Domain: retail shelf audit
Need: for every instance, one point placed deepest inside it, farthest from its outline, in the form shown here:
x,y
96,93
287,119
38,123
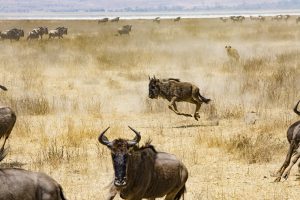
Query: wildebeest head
x,y
120,149
153,88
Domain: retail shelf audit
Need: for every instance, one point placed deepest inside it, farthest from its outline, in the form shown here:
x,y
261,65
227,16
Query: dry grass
x,y
66,91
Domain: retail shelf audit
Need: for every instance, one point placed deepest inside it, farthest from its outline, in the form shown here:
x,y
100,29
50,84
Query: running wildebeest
x,y
33,35
237,18
156,19
277,18
176,91
142,172
115,19
7,121
261,18
286,17
12,34
58,32
125,30
258,18
177,19
37,33
103,20
20,184
293,137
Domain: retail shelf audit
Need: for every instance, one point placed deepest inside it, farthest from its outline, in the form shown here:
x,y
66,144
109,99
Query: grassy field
x,y
65,92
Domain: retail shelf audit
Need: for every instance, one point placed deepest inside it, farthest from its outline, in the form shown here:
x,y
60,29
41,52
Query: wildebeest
x,y
156,19
177,19
293,137
142,172
176,91
20,184
223,19
12,34
33,35
36,33
237,18
298,19
232,53
277,18
7,121
125,29
116,19
258,18
261,18
286,17
103,20
58,32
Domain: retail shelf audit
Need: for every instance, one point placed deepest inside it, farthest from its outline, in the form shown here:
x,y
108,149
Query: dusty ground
x,y
66,91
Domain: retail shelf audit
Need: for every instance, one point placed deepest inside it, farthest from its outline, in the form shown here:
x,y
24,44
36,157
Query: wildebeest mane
x,y
171,79
147,145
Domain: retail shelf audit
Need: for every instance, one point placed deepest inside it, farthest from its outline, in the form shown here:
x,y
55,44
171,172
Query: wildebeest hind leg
x,y
196,114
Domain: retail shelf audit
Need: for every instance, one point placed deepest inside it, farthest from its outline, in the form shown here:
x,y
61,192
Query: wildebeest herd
x,y
259,18
36,33
139,171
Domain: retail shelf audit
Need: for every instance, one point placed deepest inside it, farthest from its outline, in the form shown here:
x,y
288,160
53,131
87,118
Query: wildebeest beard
x,y
120,167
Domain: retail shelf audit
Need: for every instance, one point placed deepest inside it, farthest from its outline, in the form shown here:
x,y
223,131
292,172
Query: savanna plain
x,y
66,91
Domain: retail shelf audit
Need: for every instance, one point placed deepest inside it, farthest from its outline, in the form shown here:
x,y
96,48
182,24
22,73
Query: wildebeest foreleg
x,y
286,162
173,107
293,161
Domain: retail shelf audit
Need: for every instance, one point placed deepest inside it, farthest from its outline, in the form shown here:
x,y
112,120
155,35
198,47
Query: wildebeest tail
x,y
3,88
296,108
205,100
180,193
61,193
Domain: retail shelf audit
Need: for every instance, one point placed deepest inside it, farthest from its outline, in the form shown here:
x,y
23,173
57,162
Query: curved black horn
x,y
136,139
296,107
103,139
3,88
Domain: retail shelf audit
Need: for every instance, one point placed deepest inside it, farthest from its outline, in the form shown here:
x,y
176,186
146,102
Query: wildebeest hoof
x,y
277,179
285,176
